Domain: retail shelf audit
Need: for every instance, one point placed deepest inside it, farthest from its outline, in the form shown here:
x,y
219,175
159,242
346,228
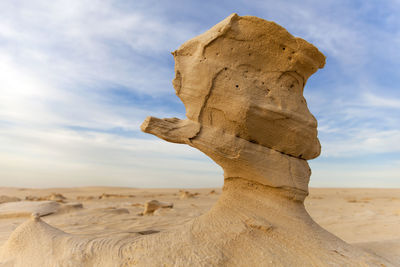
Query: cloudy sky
x,y
77,78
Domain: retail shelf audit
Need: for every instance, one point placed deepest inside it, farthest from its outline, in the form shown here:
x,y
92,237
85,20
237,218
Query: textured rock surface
x,y
151,206
246,76
242,85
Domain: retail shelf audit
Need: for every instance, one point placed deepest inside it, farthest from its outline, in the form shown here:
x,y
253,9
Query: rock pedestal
x,y
242,85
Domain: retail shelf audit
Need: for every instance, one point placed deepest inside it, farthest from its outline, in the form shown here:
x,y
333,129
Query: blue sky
x,y
78,77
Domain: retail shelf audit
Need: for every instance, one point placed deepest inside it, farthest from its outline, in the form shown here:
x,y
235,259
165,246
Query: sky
x,y
78,77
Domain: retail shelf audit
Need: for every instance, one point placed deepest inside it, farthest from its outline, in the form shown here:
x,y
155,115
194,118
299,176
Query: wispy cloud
x,y
373,100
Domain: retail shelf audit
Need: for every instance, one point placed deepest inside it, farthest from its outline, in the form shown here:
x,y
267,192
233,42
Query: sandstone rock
x,y
151,206
52,197
246,77
242,85
107,196
84,198
212,192
183,194
56,197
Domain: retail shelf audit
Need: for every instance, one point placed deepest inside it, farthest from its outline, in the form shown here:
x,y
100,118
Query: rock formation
x,y
242,86
151,206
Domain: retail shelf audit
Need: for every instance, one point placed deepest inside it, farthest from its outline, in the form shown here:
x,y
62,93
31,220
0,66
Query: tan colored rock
x,y
183,194
56,197
52,197
85,198
246,76
107,196
242,85
243,93
151,206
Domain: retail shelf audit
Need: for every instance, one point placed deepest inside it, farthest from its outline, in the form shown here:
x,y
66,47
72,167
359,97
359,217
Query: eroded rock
x,y
52,197
151,206
183,194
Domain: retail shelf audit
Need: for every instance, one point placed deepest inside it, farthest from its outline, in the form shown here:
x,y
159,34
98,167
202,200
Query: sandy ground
x,y
367,218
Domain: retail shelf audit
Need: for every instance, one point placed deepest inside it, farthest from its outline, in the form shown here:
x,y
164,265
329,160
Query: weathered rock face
x,y
151,206
242,85
246,76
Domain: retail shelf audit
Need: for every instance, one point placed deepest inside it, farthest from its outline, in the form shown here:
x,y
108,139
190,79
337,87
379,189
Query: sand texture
x,y
366,218
242,85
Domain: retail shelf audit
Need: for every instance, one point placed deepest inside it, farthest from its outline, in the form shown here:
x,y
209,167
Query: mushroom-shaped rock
x,y
242,85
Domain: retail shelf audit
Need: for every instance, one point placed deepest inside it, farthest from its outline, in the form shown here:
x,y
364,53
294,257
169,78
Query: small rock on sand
x,y
86,198
153,205
105,196
53,197
186,194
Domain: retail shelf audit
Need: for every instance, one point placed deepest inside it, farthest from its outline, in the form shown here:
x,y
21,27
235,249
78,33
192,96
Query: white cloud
x,y
50,158
382,102
89,43
57,60
363,142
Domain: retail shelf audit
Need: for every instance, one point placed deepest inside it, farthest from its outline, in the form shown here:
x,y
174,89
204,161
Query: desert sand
x,y
366,218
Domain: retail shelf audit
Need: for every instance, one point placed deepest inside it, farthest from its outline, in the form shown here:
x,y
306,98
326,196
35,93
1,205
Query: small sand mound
x,y
27,208
70,207
117,211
